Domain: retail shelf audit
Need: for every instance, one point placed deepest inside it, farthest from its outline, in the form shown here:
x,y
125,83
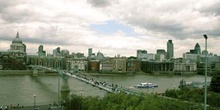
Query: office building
x,y
197,49
161,55
56,52
89,52
170,52
141,54
119,64
64,53
100,56
41,51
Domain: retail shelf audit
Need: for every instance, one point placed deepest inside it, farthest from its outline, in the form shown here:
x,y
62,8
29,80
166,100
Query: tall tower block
x,y
170,52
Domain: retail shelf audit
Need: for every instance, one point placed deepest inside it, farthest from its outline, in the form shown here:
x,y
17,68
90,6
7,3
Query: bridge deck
x,y
112,88
92,82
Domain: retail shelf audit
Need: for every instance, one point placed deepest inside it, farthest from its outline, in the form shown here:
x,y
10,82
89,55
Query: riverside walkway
x,y
108,87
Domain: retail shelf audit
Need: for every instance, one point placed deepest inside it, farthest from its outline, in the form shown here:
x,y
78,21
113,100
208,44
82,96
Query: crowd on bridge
x,y
109,87
100,84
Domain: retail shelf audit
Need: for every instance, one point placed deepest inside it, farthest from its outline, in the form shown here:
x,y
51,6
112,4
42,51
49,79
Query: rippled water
x,y
20,89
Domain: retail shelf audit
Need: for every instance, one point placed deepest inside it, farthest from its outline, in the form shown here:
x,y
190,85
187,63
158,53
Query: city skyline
x,y
17,45
109,27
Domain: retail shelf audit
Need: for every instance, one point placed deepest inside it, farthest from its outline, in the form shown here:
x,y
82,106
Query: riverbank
x,y
49,73
16,72
137,73
24,72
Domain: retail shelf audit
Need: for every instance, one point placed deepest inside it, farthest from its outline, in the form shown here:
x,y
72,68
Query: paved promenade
x,y
39,107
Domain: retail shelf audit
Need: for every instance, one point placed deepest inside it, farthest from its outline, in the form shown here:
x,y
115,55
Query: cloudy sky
x,y
111,26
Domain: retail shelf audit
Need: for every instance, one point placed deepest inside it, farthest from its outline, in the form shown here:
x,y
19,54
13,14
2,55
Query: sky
x,y
111,26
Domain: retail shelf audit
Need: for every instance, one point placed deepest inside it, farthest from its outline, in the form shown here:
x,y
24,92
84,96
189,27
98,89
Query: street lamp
x,y
81,100
34,100
205,96
81,94
58,93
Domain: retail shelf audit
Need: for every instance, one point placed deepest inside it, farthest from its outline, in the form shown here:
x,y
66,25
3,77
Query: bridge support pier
x,y
35,72
65,90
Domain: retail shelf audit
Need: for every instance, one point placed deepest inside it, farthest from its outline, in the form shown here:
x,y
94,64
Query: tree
x,y
215,83
74,103
124,101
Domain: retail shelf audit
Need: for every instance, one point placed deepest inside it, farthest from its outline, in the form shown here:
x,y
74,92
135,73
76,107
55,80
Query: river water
x,y
19,89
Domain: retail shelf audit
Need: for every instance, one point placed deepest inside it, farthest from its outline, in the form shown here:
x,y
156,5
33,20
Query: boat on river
x,y
146,85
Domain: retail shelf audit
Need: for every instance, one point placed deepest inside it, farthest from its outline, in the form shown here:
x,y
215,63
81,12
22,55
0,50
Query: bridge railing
x,y
113,88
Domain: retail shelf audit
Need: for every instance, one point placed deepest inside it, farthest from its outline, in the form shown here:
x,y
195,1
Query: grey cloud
x,y
7,3
23,11
165,27
11,16
171,22
39,39
170,27
214,33
10,12
6,37
52,40
45,35
44,41
99,3
212,9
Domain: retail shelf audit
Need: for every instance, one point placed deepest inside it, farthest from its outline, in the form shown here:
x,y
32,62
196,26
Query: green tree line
x,y
124,101
195,95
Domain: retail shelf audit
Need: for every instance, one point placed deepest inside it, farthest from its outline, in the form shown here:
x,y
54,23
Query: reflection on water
x,y
20,89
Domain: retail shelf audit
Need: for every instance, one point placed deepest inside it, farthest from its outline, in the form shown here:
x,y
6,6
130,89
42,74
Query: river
x,y
20,89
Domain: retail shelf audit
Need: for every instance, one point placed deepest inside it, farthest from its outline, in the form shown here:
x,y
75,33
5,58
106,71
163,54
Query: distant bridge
x,y
64,74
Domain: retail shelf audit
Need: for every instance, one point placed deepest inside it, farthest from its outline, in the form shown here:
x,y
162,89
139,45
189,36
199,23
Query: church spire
x,y
17,36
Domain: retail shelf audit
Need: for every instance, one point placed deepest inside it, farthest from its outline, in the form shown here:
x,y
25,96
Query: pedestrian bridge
x,y
64,74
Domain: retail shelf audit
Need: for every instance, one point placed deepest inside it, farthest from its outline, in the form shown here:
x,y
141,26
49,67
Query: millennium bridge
x,y
64,74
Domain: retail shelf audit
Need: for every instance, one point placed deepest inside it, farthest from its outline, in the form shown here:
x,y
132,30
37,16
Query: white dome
x,y
17,39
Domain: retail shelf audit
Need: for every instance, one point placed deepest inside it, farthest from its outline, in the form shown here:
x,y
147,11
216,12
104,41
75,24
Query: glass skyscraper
x,y
169,49
197,49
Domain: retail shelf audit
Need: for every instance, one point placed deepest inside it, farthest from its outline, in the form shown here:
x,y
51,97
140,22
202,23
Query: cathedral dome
x,y
17,39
